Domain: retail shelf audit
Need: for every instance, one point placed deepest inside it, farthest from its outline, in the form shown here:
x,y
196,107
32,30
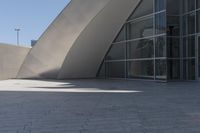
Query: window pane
x,y
160,44
188,5
173,26
144,8
116,52
141,49
172,8
198,21
160,23
173,69
189,24
102,70
141,69
189,46
198,4
189,69
121,36
160,5
140,29
115,69
173,47
161,69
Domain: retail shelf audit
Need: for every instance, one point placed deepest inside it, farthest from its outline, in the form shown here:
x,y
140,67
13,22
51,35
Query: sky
x,y
31,16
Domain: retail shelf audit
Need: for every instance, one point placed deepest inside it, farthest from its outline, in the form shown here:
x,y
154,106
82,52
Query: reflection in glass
x,y
102,70
172,7
115,69
160,44
161,69
121,36
143,48
189,69
117,52
173,47
160,5
160,23
189,46
173,67
144,8
140,29
189,24
143,69
198,21
173,25
188,5
198,4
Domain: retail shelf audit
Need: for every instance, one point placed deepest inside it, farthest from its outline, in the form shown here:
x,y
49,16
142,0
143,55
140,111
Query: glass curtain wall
x,y
159,41
190,25
139,51
173,39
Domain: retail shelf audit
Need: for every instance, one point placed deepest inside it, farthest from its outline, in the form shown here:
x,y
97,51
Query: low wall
x,y
11,59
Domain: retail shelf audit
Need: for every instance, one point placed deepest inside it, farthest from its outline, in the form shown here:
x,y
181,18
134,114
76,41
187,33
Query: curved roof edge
x,y
87,53
47,56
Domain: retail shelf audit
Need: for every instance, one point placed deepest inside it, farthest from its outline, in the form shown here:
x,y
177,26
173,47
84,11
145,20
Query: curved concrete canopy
x,y
87,53
47,56
75,44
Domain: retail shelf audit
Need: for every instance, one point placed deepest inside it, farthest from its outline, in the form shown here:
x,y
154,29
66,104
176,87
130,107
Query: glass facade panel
x,y
198,4
160,5
161,69
173,25
144,8
143,69
140,29
198,21
157,44
160,46
102,71
143,48
173,47
117,52
115,69
121,36
189,24
189,69
189,46
160,23
172,7
173,69
188,5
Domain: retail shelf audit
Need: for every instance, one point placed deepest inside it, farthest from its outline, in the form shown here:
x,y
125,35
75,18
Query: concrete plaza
x,y
99,106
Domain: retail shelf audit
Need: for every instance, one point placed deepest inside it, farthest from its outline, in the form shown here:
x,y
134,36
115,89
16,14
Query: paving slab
x,y
99,106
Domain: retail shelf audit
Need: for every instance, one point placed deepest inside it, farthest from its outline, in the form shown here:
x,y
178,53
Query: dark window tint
x,y
115,69
140,29
141,69
116,52
145,7
160,44
143,48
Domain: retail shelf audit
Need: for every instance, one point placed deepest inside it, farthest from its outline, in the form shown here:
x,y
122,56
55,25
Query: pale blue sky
x,y
31,16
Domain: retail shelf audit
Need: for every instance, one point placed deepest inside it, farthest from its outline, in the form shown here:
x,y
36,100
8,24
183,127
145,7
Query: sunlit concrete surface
x,y
99,106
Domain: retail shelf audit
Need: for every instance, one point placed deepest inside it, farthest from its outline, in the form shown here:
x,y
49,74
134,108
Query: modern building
x,y
159,41
119,39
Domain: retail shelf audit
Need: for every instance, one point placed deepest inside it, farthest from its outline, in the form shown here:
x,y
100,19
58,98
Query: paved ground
x,y
98,106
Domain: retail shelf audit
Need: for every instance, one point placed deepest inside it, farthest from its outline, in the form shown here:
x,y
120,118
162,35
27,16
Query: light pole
x,y
17,30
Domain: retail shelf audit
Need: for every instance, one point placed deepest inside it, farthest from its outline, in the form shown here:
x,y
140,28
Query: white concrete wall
x,y
11,59
47,56
75,44
87,53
